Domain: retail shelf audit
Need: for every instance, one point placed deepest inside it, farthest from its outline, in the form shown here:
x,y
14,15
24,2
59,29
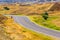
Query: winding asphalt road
x,y
23,20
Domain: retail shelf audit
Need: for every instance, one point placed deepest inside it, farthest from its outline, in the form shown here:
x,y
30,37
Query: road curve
x,y
23,20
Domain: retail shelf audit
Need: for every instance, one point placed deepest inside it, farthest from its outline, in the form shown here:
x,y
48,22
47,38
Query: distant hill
x,y
55,7
27,9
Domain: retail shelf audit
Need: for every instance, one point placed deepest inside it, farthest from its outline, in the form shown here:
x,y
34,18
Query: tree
x,y
6,8
45,15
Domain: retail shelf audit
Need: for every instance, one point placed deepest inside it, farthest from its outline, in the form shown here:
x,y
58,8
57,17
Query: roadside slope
x,y
10,30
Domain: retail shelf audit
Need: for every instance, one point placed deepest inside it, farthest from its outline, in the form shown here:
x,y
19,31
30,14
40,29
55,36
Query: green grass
x,y
46,23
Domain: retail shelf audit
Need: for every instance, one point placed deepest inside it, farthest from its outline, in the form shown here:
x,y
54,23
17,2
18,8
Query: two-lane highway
x,y
23,20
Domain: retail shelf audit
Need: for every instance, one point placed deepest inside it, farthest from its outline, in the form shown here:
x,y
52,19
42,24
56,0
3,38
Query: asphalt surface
x,y
24,21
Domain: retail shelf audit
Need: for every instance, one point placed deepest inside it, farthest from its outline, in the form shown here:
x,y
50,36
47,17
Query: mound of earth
x,y
55,7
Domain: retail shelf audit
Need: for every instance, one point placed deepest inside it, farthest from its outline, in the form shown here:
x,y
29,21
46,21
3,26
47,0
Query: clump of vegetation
x,y
24,31
6,8
45,15
2,19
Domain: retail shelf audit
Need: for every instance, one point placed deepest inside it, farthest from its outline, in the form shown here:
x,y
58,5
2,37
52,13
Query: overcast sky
x,y
22,0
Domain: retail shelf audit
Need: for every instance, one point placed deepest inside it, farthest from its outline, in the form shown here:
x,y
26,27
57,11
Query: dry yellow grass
x,y
26,10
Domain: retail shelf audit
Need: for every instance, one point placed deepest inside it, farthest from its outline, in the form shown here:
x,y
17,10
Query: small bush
x,y
6,8
45,15
24,31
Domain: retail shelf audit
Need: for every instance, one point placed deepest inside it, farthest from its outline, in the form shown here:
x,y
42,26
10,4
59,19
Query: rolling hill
x,y
29,9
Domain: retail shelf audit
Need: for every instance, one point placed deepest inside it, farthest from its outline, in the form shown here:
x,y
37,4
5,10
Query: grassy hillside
x,y
52,22
53,17
33,9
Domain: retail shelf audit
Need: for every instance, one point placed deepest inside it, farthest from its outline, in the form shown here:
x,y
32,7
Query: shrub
x,y
45,15
6,8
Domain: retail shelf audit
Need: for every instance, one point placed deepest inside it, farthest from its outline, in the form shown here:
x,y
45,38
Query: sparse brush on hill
x,y
2,19
6,8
